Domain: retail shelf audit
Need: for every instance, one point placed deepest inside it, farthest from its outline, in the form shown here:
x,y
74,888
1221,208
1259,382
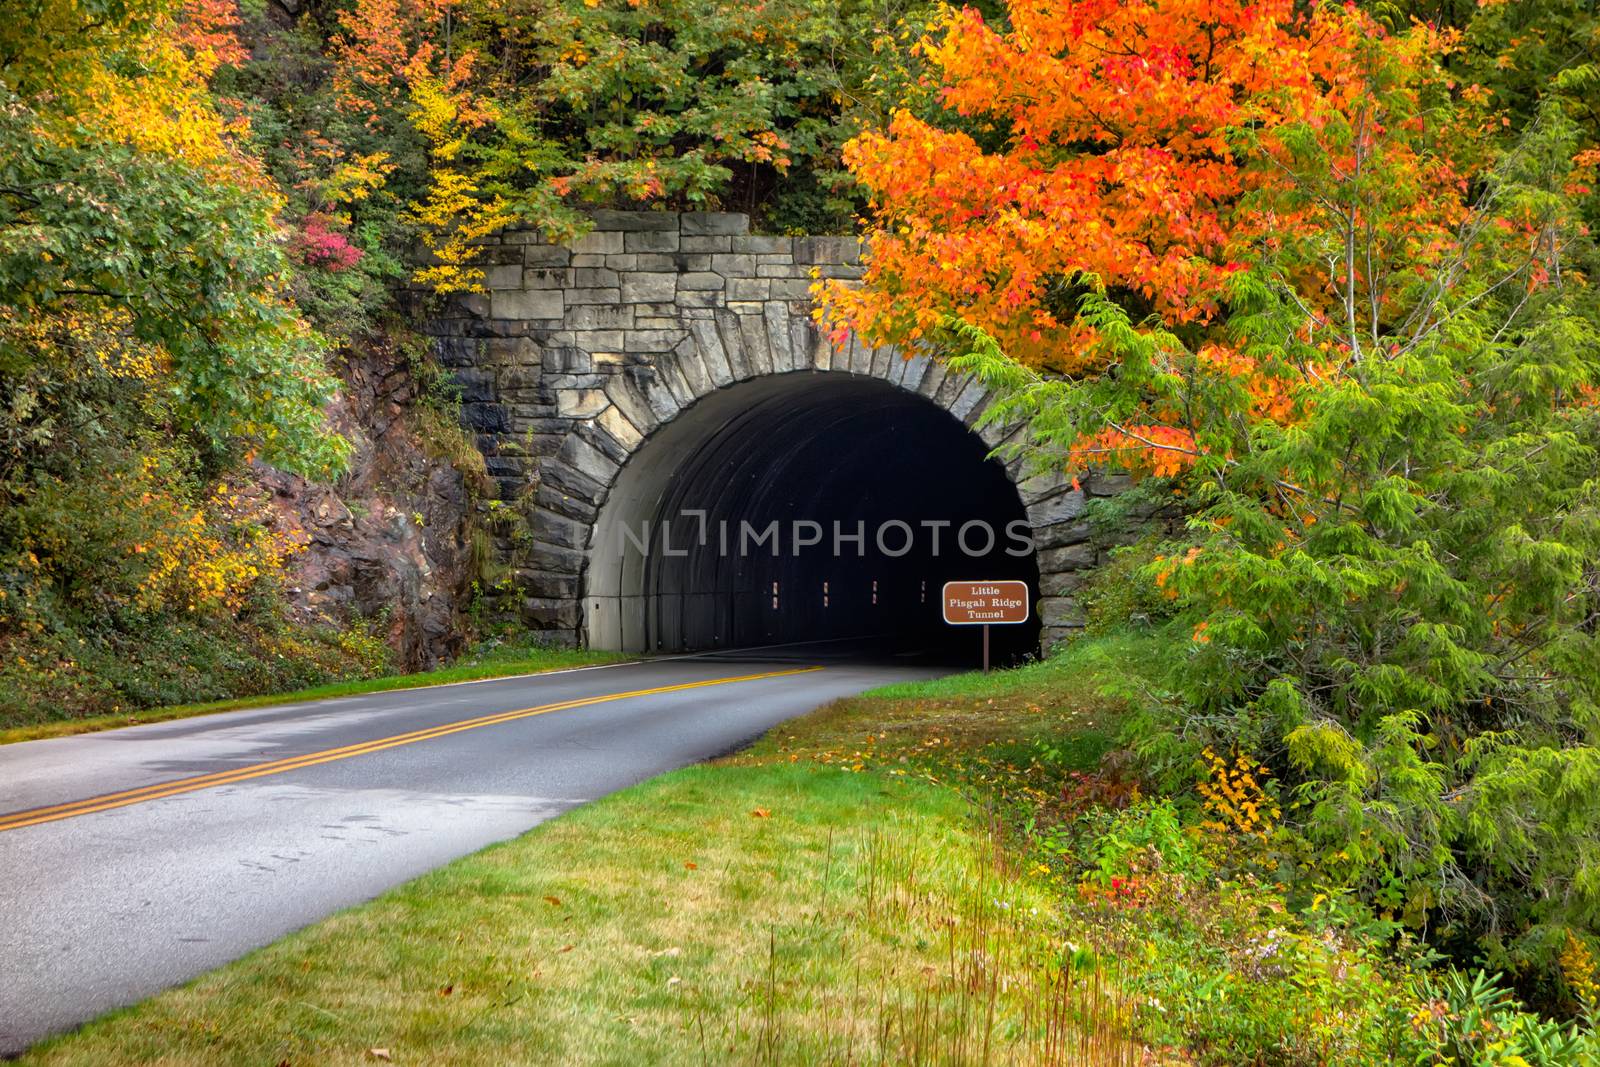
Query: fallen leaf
x,y
380,1054
761,813
553,900
692,866
568,948
445,991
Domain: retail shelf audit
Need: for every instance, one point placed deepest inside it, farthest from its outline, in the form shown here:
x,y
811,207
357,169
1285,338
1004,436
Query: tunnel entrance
x,y
805,507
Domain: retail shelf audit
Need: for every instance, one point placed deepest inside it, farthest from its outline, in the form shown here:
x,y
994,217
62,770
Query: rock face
x,y
577,355
389,542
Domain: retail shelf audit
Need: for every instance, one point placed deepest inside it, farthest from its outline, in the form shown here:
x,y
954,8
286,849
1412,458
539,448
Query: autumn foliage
x,y
1280,262
1132,148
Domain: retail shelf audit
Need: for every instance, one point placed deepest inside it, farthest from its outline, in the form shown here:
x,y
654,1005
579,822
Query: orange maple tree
x,y
1138,148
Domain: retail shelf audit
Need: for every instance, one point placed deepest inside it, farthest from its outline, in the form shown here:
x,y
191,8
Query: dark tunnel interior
x,y
826,508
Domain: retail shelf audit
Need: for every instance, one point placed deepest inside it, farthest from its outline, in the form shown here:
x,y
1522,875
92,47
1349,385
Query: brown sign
x,y
985,603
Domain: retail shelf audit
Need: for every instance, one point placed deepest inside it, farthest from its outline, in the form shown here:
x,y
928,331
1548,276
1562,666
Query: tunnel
x,y
806,507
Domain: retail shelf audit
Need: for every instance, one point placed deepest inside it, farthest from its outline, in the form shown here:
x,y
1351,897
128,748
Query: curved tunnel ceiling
x,y
803,507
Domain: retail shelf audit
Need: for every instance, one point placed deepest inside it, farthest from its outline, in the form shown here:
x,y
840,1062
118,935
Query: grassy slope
x,y
772,907
503,661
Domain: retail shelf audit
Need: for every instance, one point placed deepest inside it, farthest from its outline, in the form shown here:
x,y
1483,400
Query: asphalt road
x,y
135,859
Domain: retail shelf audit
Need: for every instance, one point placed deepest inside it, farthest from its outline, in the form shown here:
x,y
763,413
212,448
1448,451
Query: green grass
x,y
493,663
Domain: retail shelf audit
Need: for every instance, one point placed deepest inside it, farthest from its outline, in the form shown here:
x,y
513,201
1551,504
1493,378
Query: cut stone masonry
x,y
576,354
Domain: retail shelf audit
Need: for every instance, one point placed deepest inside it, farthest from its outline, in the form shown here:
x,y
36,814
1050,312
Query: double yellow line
x,y
35,816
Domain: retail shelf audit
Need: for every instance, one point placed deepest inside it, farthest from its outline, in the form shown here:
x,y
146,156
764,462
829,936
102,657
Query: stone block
x,y
635,220
790,288
749,288
599,340
774,267
581,403
509,351
1068,558
548,278
555,529
595,278
1060,611
545,613
597,242
601,317
690,301
525,304
587,460
711,351
1061,535
474,304
485,418
801,341
631,403
733,344
734,265
657,394
565,359
776,316
547,585
620,428
705,223
588,430
691,364
752,331
1062,583
642,288
546,257
700,280
684,262
705,244
651,340
1063,507
882,360
964,406
594,296
1102,483
506,276
475,384
650,241
765,246
549,496
520,381
827,250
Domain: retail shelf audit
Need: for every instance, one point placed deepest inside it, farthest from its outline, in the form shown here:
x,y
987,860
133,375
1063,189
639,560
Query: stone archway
x,y
577,357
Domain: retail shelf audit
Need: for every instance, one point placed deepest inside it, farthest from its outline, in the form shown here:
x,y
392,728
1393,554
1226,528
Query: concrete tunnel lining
x,y
829,448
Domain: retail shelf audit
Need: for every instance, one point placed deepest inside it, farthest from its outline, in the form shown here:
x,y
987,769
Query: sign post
x,y
985,604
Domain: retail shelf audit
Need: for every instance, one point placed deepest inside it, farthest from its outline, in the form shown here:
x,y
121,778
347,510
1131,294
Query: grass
x,y
805,901
495,662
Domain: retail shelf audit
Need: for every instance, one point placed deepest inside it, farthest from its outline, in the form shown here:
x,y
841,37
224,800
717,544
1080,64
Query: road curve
x,y
135,859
